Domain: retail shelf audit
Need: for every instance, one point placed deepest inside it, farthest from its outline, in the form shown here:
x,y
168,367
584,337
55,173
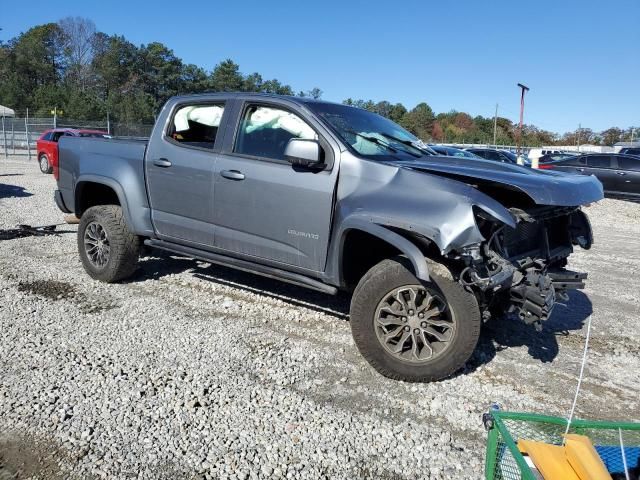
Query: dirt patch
x,y
23,457
57,290
51,289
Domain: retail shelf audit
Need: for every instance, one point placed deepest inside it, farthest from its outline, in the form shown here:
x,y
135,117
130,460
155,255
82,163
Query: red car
x,y
47,146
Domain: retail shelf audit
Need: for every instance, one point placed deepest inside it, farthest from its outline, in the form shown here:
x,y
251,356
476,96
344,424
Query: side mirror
x,y
303,152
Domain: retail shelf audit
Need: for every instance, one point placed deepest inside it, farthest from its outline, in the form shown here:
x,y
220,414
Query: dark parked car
x,y
496,155
452,151
630,151
619,174
332,197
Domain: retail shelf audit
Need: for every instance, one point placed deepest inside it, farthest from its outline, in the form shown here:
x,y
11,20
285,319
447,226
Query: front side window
x,y
626,163
509,157
266,131
599,161
196,125
489,155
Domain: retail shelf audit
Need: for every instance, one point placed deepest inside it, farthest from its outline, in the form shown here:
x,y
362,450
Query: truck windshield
x,y
369,134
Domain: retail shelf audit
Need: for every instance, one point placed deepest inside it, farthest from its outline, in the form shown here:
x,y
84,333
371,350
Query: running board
x,y
244,265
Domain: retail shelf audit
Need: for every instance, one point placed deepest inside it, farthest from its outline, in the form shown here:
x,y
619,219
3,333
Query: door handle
x,y
580,169
232,174
621,173
162,162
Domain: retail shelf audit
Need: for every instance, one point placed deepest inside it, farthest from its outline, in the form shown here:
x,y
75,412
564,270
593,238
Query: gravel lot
x,y
196,371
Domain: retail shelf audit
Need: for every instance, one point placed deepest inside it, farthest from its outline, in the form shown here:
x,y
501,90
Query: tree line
x,y
89,74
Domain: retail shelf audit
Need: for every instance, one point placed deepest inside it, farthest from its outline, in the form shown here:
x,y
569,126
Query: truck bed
x,y
116,162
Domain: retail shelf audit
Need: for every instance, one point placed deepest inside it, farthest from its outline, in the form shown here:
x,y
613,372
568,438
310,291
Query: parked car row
x,y
618,173
47,145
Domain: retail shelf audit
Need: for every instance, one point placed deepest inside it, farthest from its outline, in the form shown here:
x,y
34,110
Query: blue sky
x,y
580,58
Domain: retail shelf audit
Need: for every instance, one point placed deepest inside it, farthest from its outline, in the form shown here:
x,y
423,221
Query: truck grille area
x,y
540,233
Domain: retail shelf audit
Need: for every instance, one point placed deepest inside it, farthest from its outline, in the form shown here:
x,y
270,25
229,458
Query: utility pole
x,y
632,131
524,89
55,117
495,125
578,139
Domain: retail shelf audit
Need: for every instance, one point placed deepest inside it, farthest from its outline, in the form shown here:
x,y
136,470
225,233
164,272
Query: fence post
x,y
4,137
13,135
26,130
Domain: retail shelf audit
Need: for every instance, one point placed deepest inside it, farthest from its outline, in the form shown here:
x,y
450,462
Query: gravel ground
x,y
196,371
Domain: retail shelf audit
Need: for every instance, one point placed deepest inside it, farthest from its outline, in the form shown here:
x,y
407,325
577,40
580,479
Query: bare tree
x,y
78,36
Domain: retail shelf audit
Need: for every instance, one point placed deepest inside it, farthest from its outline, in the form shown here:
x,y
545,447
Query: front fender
x,y
411,251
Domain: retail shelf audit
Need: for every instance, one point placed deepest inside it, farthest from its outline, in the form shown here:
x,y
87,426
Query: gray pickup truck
x,y
332,197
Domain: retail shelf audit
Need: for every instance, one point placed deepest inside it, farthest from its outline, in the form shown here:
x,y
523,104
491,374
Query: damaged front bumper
x,y
523,267
533,292
535,296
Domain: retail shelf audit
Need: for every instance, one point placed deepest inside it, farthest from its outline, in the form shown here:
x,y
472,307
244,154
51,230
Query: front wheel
x,y
43,161
412,330
108,250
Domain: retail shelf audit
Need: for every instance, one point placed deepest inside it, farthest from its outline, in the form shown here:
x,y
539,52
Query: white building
x,y
6,112
620,145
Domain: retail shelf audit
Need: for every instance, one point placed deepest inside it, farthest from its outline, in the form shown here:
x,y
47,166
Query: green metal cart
x,y
505,462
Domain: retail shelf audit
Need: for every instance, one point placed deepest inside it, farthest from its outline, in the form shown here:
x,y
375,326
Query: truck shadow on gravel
x,y
9,191
497,335
501,333
160,265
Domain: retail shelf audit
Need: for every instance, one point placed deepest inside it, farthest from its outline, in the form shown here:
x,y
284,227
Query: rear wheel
x,y
43,161
108,250
412,330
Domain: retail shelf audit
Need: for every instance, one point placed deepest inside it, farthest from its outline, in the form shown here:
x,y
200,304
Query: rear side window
x,y
626,163
599,161
266,131
47,136
632,151
196,125
57,135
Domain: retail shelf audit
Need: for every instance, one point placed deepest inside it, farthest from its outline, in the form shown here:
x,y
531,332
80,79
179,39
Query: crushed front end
x,y
522,269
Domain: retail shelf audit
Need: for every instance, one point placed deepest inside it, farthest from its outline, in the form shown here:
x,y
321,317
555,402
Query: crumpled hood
x,y
543,186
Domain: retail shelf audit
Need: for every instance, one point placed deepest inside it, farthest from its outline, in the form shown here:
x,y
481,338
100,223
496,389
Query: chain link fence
x,y
19,134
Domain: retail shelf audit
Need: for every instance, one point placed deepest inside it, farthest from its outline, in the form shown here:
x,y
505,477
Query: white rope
x,y
624,457
584,361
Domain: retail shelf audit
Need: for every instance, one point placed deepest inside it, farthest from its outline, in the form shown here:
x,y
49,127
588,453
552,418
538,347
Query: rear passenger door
x,y
266,208
179,164
628,175
602,167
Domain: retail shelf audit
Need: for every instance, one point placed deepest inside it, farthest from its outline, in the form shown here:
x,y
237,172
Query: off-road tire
x,y
44,168
397,272
124,245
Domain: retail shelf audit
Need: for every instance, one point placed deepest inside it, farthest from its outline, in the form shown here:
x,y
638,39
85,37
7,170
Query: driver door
x,y
266,208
